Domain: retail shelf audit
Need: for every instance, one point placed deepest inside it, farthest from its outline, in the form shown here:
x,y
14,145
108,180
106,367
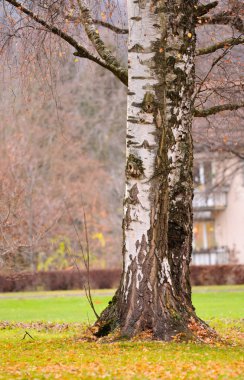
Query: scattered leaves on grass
x,y
41,326
59,351
203,332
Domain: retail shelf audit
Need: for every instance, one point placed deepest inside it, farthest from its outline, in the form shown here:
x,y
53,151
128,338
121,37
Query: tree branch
x,y
223,18
214,63
80,50
216,109
104,24
49,27
220,45
237,154
121,76
204,9
98,43
114,28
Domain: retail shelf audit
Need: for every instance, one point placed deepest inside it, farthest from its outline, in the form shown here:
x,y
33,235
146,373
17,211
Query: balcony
x,y
206,201
212,256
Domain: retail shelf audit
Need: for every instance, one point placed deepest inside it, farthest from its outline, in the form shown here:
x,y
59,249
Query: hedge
x,y
109,278
59,280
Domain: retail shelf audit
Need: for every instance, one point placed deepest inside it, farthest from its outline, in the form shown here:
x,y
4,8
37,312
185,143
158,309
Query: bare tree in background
x,y
164,95
59,153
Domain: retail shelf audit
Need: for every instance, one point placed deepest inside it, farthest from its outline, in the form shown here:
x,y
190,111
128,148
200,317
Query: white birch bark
x,y
155,292
141,132
157,207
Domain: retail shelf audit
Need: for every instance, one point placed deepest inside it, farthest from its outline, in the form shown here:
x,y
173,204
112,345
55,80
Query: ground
x,y
59,350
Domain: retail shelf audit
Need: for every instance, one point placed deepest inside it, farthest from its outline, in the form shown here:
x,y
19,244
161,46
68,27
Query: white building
x,y
218,233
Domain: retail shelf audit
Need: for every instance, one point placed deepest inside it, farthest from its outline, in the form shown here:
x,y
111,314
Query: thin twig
x,y
26,333
85,258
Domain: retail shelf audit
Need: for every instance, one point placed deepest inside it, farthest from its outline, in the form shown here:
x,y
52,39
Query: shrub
x,y
217,274
59,280
109,278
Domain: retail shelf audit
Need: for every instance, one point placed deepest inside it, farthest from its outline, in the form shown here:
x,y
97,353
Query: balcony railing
x,y
204,201
213,256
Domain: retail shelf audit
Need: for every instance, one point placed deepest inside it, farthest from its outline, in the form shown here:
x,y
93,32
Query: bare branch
x,y
104,24
85,258
49,27
236,153
205,8
26,333
223,18
216,109
114,28
81,51
123,77
98,43
220,45
214,63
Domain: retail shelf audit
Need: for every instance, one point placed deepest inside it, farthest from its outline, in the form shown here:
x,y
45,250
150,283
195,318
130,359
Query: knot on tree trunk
x,y
134,167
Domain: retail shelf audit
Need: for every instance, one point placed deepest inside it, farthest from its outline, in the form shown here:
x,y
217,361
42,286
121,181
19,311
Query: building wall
x,y
229,224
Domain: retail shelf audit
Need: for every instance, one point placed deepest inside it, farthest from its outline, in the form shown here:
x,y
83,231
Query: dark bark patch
x,y
137,244
134,167
143,250
104,329
136,18
148,104
130,142
127,218
176,235
142,3
137,48
133,192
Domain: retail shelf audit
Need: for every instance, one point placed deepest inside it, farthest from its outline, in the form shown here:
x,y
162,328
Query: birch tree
x,y
154,294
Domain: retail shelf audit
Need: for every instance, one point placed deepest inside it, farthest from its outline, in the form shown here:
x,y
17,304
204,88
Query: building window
x,y
203,174
203,235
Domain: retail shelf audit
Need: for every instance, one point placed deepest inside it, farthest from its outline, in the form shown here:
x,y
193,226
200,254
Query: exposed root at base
x,y
196,331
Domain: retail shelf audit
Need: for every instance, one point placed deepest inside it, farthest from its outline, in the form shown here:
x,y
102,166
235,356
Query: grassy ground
x,y
58,351
72,306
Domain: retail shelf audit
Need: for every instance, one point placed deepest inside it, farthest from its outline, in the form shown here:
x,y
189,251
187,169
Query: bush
x,y
59,280
109,278
217,274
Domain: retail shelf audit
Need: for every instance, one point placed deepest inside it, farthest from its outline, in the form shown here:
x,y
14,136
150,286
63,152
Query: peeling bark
x,y
155,291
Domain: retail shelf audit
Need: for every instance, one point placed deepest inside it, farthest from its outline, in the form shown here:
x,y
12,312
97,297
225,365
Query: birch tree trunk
x,y
155,293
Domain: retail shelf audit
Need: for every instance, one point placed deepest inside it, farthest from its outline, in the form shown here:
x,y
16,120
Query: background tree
x,y
58,151
155,292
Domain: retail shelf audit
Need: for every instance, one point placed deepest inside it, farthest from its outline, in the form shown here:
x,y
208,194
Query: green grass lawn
x,y
65,309
210,302
58,352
